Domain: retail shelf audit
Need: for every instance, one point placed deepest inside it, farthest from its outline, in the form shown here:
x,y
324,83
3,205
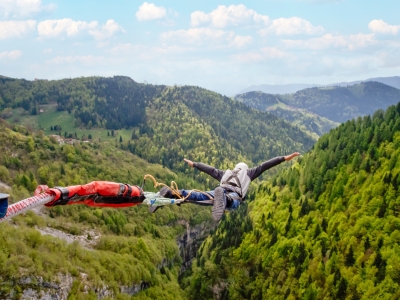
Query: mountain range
x,y
393,81
320,109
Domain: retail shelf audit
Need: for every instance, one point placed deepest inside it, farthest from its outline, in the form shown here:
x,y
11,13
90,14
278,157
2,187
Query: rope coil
x,y
174,188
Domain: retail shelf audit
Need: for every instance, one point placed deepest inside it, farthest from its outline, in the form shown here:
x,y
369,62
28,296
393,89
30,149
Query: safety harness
x,y
236,181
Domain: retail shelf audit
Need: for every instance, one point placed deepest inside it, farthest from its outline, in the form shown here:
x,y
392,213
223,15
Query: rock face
x,y
191,240
34,287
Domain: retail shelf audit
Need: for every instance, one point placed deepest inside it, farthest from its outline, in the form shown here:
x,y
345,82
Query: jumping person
x,y
233,184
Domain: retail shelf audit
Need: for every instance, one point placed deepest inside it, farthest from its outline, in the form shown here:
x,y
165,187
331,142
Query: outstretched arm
x,y
257,171
291,156
213,172
189,162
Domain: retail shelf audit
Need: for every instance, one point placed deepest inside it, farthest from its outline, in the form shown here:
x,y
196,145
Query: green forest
x,y
308,121
319,109
133,243
328,227
165,123
325,226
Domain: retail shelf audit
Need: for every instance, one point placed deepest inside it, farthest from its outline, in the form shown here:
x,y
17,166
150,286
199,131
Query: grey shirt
x,y
253,173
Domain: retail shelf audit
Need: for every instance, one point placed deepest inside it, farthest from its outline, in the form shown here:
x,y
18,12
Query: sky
x,y
224,46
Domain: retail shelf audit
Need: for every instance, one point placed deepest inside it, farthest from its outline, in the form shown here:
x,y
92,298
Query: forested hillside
x,y
112,103
326,228
204,126
335,103
132,246
166,123
305,119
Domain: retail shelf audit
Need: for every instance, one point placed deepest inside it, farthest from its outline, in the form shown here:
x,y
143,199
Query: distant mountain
x,y
335,103
390,81
340,104
306,120
277,89
293,88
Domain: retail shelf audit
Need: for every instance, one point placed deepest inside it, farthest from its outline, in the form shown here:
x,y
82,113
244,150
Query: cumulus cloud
x,y
23,8
147,53
10,29
379,26
291,26
63,27
108,30
7,55
149,11
85,60
68,27
264,54
206,36
327,41
224,16
242,41
199,36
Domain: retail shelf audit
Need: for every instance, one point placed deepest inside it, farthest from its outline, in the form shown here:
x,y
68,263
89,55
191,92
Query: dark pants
x,y
3,207
197,196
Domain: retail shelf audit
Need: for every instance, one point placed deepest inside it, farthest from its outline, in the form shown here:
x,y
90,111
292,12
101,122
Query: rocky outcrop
x,y
190,241
35,287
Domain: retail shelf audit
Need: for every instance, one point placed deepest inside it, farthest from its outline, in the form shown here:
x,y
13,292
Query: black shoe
x,y
152,209
219,204
166,192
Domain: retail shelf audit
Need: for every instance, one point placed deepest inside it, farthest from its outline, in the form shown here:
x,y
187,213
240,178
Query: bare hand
x,y
291,156
189,162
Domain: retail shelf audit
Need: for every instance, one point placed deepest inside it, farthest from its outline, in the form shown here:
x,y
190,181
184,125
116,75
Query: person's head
x,y
241,166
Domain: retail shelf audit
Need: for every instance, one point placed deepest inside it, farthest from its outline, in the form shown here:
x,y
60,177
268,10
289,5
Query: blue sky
x,y
224,46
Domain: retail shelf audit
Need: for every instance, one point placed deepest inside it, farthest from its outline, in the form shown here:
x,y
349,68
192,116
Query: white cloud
x,y
85,60
9,29
173,13
23,8
108,30
272,52
47,50
10,55
329,41
232,15
148,11
242,41
266,53
199,36
123,48
360,40
142,52
320,43
353,66
291,26
63,27
379,26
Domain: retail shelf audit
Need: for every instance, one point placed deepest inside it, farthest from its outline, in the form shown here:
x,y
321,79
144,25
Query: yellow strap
x,y
174,188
